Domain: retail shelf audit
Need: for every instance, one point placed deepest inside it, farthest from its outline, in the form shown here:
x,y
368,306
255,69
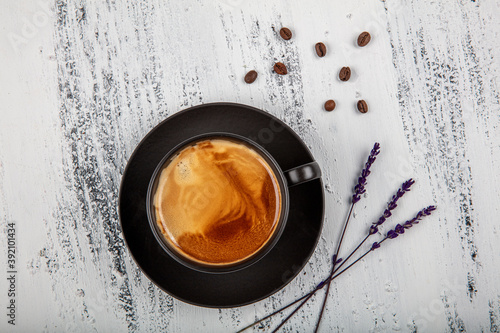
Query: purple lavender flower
x,y
375,245
373,230
360,187
400,229
405,187
392,234
424,212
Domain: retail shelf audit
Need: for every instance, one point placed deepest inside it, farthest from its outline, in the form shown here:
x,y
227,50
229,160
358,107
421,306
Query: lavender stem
x,y
355,261
352,253
390,235
320,286
405,187
343,233
358,190
398,230
308,295
323,306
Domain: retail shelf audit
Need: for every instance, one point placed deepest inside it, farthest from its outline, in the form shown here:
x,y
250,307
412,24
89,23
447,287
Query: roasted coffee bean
x,y
362,106
320,49
280,68
345,74
330,105
285,33
251,77
364,38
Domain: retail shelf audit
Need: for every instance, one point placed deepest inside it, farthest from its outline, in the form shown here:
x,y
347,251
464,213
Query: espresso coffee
x,y
217,202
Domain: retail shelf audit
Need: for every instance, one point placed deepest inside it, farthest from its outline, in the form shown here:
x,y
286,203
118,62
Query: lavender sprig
x,y
360,187
390,235
405,187
400,229
391,205
358,190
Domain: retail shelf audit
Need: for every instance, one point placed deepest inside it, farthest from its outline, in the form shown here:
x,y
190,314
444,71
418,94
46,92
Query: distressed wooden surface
x,y
81,82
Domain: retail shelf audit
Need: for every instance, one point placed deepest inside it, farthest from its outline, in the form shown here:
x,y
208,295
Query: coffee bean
x,y
330,105
320,49
285,33
364,38
280,68
251,77
345,74
362,106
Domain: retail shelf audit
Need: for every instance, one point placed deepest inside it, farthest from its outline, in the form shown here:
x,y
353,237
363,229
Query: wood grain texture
x,y
82,88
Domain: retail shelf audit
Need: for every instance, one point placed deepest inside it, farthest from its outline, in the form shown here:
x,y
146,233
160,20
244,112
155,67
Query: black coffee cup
x,y
285,179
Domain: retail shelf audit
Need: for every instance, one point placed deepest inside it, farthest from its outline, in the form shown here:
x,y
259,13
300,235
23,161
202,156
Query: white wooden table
x,y
81,82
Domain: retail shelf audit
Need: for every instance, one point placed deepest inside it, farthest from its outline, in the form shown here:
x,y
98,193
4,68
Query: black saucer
x,y
253,283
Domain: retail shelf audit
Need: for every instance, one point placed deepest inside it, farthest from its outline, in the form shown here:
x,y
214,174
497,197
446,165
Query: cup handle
x,y
302,174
